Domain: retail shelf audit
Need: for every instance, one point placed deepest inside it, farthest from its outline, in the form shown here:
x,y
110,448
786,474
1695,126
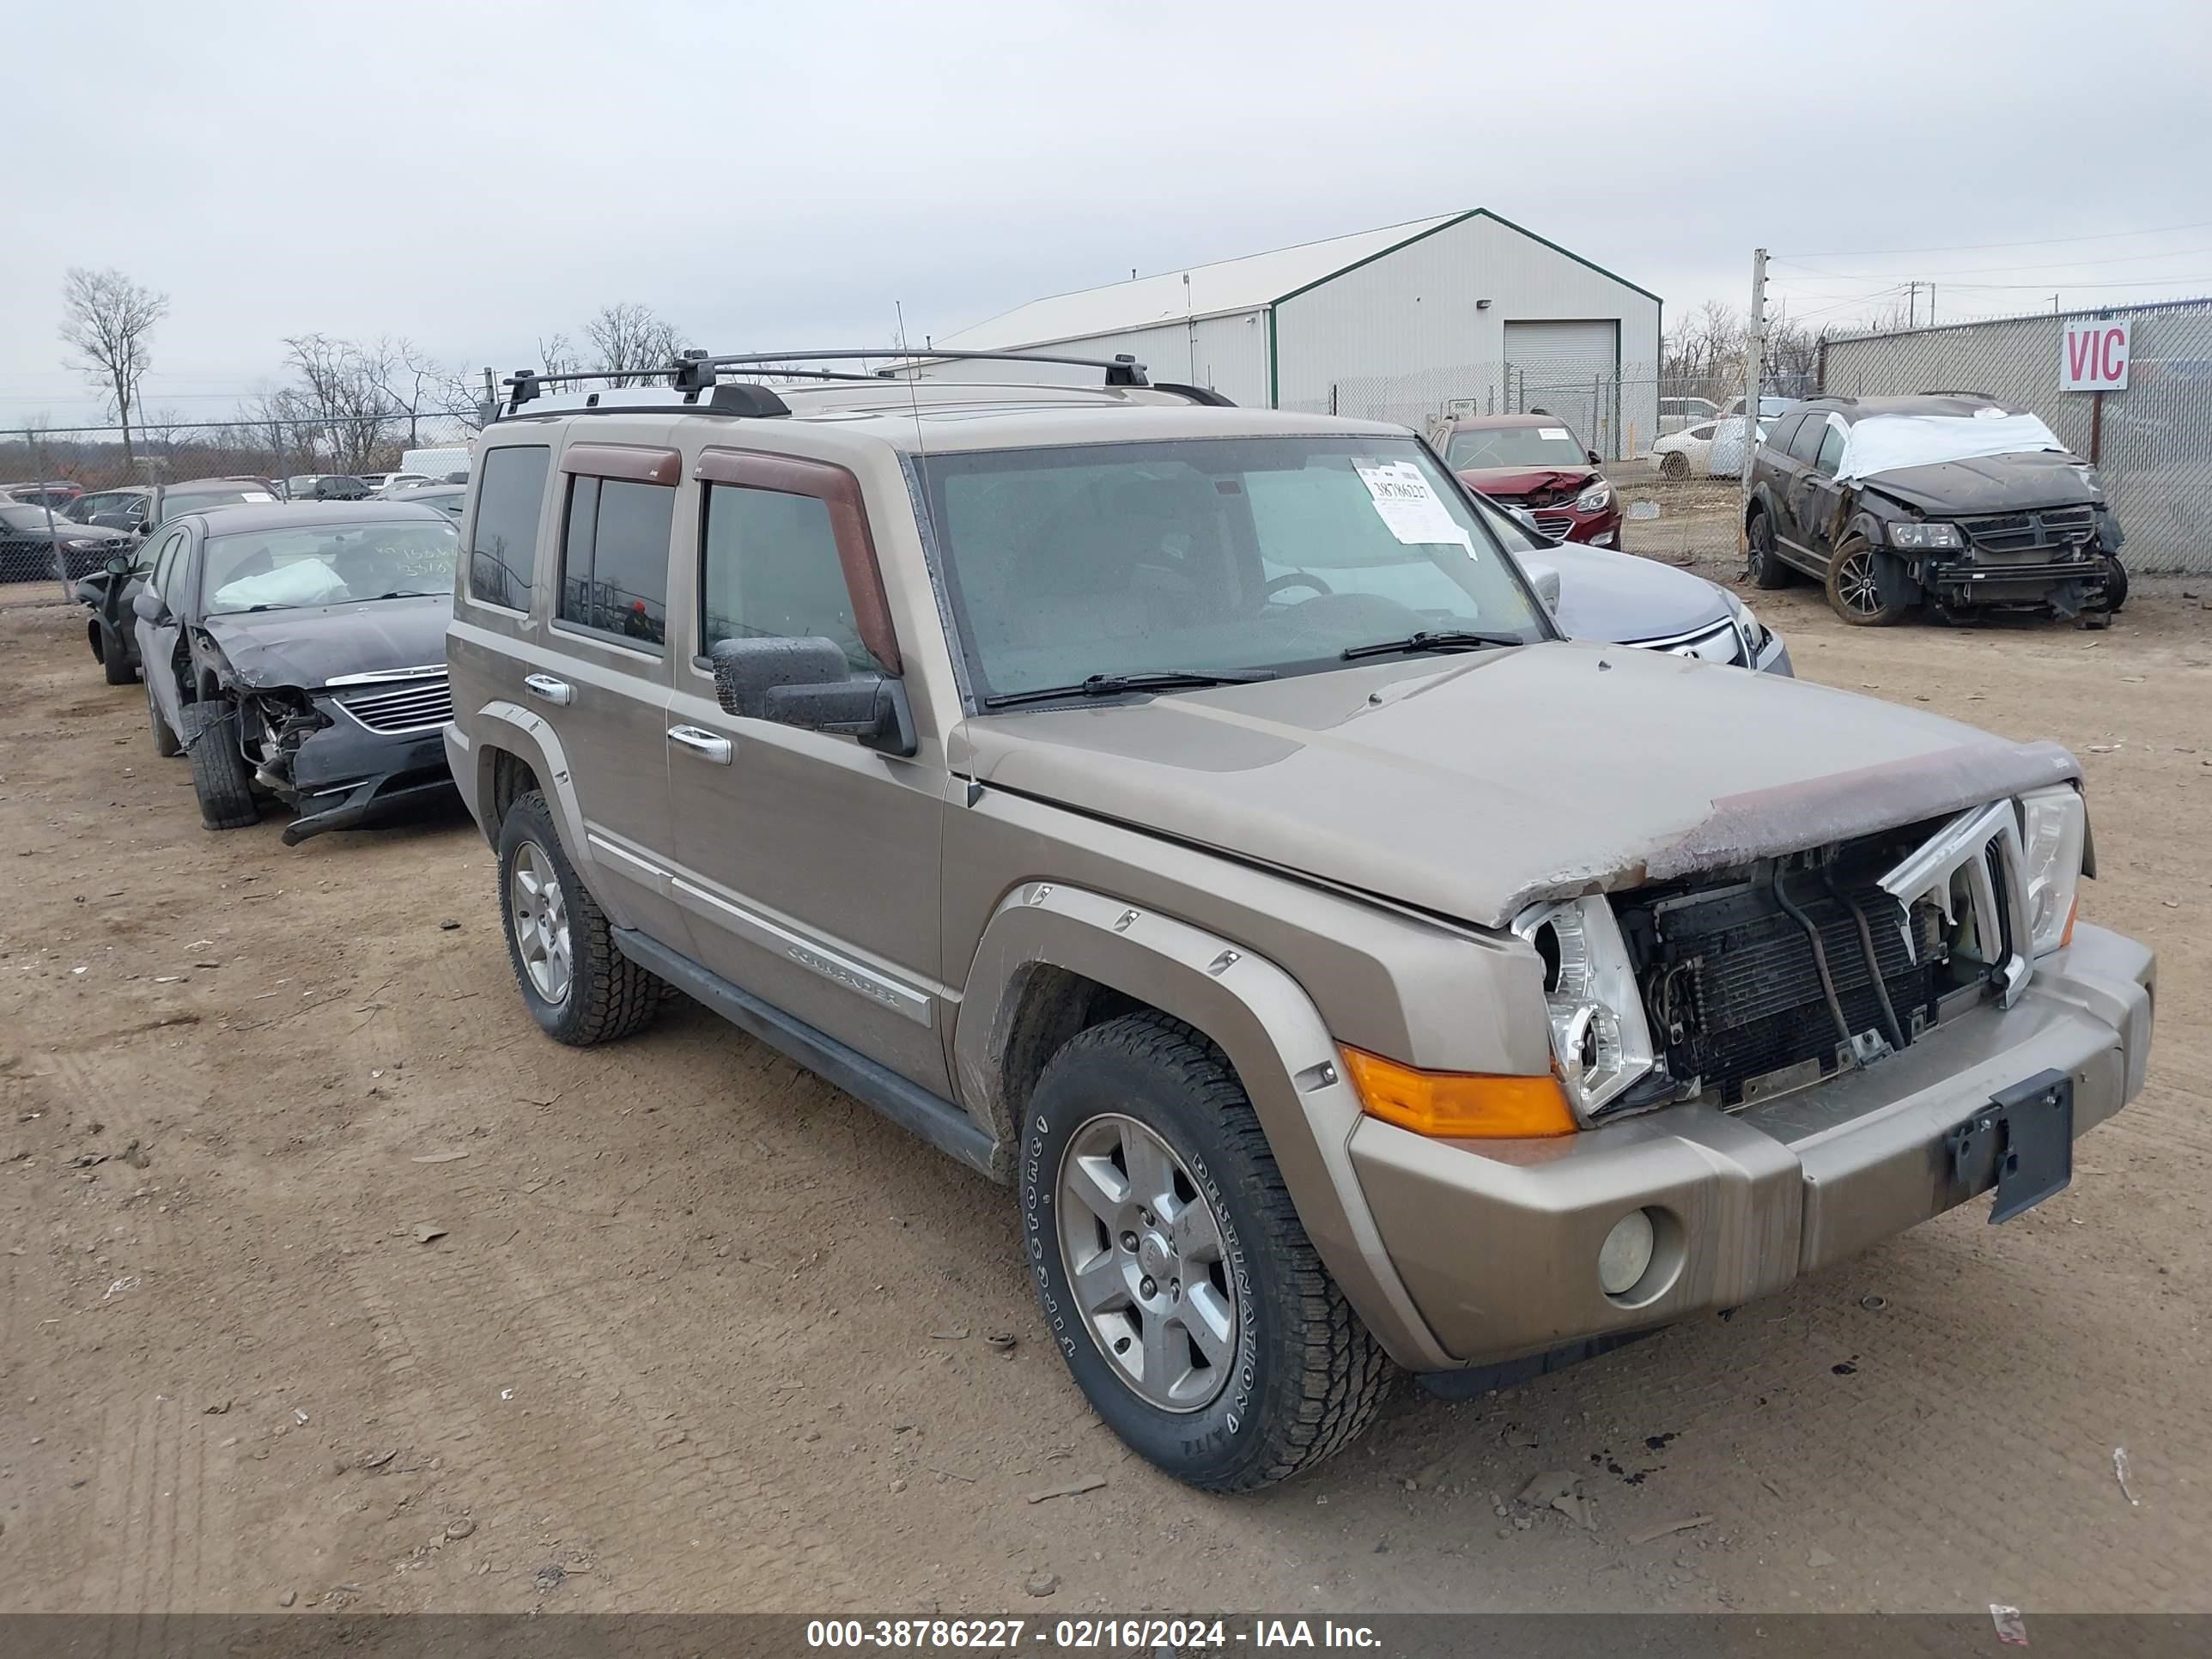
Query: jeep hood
x,y
1473,785
1989,483
308,646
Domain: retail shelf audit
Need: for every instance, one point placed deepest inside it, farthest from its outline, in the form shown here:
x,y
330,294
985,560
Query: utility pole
x,y
1913,304
1755,349
1931,305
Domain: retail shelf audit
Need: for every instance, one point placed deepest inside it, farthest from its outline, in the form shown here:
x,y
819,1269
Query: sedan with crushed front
x,y
296,652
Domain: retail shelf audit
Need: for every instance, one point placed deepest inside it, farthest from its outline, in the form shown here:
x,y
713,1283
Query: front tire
x,y
2116,587
219,779
114,660
1761,563
1855,587
1674,465
1187,1300
578,986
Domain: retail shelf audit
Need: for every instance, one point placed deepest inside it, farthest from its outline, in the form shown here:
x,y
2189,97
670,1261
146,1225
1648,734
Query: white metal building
x,y
1464,309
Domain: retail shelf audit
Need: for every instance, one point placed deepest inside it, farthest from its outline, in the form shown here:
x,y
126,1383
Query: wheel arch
x,y
1056,959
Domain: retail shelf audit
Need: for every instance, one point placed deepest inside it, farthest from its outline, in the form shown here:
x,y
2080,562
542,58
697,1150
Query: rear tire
x,y
1855,587
1761,563
114,661
220,778
578,986
1293,1375
165,741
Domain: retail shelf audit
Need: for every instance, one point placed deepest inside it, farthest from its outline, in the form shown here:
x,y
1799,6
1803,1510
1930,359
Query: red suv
x,y
1536,462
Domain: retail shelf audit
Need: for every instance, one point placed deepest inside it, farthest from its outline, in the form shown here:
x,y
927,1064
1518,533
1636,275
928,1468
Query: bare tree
x,y
633,342
412,383
342,391
108,323
556,357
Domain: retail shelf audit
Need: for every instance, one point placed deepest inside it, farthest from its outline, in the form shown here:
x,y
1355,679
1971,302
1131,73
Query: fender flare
x,y
1262,1019
529,736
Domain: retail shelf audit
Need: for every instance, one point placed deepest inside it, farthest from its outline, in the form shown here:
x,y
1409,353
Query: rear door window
x,y
1779,435
503,541
614,559
1831,448
1805,442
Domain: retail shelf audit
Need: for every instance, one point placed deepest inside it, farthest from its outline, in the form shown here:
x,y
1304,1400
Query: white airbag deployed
x,y
303,582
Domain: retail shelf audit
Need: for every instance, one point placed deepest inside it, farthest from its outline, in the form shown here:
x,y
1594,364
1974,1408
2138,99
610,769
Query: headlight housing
x,y
1595,499
1755,631
2054,827
1601,1044
1924,535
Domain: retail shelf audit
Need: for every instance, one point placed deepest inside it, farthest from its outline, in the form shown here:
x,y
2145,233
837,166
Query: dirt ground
x,y
700,1333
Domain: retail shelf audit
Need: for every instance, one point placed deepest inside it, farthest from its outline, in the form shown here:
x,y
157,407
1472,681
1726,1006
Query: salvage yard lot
x,y
700,1333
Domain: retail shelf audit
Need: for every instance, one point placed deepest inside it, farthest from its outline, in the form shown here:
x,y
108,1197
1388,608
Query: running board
x,y
913,1108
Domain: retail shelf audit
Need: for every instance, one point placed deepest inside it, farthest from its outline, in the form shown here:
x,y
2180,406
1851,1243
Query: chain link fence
x,y
71,497
1682,510
2152,443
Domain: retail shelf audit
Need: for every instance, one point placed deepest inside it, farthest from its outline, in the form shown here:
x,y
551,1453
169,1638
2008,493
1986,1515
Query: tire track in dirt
x,y
536,1409
161,1527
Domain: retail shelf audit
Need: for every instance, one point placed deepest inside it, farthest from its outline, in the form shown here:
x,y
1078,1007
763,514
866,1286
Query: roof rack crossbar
x,y
1121,368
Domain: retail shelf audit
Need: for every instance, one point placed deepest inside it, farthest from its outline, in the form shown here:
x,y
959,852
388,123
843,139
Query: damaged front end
x,y
350,751
1740,984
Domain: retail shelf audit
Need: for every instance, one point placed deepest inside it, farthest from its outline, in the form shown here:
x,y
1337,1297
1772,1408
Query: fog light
x,y
1626,1252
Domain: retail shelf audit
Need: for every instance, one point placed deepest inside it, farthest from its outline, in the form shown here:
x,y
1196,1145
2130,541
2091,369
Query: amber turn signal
x,y
1459,1105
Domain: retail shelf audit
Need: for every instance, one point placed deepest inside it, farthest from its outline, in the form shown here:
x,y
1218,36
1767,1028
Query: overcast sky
x,y
473,176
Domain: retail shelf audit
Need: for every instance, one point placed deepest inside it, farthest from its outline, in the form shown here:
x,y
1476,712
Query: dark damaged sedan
x,y
1949,501
296,652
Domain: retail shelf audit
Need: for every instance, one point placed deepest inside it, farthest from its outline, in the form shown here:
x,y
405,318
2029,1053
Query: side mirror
x,y
120,566
808,683
148,606
1595,459
1545,578
1527,520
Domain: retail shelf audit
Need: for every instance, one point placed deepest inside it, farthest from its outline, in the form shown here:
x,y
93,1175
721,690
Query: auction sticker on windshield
x,y
1408,507
1553,431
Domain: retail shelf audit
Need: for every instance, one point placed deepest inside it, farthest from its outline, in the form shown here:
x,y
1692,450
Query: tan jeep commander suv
x,y
1190,816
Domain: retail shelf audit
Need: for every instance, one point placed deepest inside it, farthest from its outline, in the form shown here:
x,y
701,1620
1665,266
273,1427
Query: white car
x,y
1679,414
1714,450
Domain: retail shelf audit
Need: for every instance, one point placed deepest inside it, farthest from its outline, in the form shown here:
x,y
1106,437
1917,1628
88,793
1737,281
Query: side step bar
x,y
935,1120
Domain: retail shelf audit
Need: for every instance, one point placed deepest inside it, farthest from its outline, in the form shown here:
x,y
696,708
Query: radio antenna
x,y
913,396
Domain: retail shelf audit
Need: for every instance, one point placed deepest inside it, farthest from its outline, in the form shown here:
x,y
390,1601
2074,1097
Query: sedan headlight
x,y
1595,499
1601,1044
1754,631
1924,535
2054,827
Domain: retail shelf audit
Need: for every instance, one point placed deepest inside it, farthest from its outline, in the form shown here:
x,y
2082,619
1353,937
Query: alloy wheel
x,y
1855,584
1143,1256
540,913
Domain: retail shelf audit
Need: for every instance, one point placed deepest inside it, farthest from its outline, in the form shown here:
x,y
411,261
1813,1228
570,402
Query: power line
x,y
1975,247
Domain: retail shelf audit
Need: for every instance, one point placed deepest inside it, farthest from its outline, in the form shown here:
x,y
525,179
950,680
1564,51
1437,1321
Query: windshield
x,y
1208,555
1515,446
326,564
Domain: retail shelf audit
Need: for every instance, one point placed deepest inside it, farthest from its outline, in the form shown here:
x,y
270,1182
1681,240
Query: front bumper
x,y
1774,658
1497,1242
344,776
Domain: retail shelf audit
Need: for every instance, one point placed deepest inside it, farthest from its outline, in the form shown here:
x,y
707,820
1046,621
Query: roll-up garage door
x,y
1571,370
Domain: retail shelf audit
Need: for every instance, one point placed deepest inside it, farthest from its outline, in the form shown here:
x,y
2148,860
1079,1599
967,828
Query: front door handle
x,y
707,745
546,689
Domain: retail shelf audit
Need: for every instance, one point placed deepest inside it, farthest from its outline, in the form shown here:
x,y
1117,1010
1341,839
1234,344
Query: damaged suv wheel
x,y
1856,589
575,983
220,777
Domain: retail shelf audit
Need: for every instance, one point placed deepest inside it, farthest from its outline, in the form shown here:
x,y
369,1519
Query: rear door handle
x,y
707,745
546,689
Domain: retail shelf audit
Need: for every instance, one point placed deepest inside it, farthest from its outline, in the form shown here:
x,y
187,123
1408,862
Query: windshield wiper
x,y
1115,685
1443,638
412,593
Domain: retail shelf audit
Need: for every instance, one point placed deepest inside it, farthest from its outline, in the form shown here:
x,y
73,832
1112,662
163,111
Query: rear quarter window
x,y
503,541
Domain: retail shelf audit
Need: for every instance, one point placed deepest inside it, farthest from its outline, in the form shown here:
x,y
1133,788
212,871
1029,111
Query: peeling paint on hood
x,y
1474,786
